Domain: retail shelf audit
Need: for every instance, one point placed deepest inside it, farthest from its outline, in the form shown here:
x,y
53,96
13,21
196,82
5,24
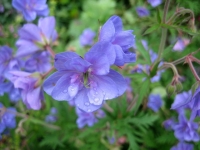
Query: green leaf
x,y
151,29
143,52
143,91
158,16
144,120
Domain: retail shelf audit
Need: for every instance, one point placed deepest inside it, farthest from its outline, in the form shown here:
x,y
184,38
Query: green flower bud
x,y
194,87
170,89
179,87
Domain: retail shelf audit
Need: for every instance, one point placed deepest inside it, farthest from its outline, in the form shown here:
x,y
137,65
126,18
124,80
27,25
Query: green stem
x,y
108,108
172,66
164,34
166,7
179,13
34,120
132,104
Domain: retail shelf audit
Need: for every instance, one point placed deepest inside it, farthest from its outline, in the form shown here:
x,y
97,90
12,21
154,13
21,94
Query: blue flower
x,y
169,124
112,31
7,118
38,62
182,101
51,118
154,102
31,91
154,3
183,146
7,62
31,8
34,38
186,129
142,11
86,38
87,81
87,118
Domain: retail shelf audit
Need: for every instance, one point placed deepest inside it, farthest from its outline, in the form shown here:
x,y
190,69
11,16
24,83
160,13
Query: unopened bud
x,y
179,87
194,87
170,89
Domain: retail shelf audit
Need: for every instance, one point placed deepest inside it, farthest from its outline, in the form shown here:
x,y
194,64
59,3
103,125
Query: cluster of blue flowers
x,y
86,81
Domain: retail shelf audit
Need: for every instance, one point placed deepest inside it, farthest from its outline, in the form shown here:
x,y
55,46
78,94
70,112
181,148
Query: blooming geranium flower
x,y
31,8
142,11
186,129
183,146
88,118
87,81
154,102
7,118
38,62
154,3
34,38
86,38
31,92
112,31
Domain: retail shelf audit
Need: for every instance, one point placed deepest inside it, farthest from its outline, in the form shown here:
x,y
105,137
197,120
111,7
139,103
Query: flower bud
x,y
194,87
179,87
170,89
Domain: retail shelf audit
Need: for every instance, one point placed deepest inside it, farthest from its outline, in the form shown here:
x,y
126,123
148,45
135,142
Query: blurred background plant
x,y
136,121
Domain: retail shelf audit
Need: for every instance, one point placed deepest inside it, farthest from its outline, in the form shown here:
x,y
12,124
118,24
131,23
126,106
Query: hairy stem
x,y
164,34
108,108
49,49
48,72
189,61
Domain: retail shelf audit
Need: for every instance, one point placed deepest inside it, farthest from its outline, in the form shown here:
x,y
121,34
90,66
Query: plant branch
x,y
49,49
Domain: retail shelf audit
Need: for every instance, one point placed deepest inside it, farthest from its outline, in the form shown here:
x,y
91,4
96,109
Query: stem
x,y
172,66
34,120
47,73
164,34
177,14
132,103
181,60
49,49
108,108
189,61
166,7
